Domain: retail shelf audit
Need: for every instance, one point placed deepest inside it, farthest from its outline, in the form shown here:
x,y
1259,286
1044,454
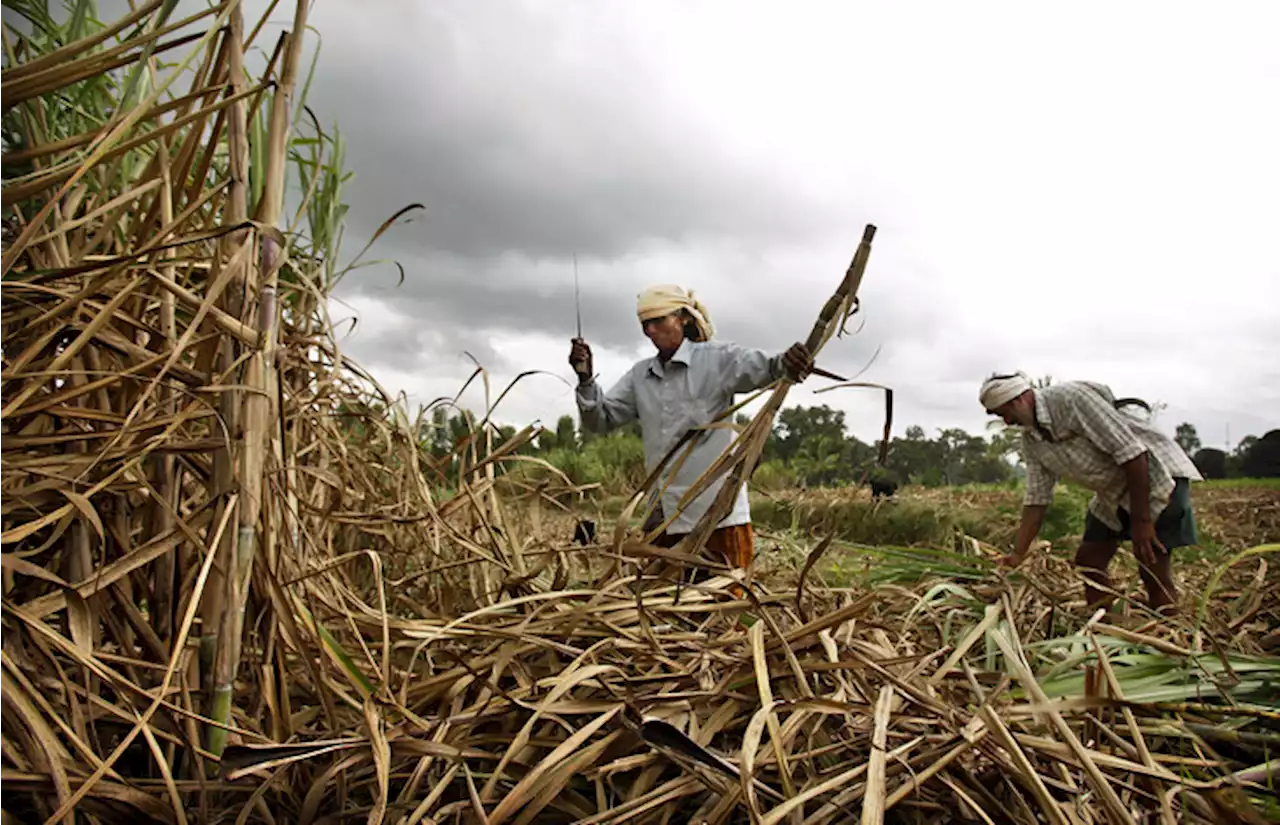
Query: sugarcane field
x,y
448,412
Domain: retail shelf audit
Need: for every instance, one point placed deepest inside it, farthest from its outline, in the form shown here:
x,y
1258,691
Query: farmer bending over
x,y
1139,476
689,383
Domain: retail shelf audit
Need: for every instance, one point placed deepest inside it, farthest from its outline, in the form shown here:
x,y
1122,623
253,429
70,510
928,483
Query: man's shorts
x,y
1175,526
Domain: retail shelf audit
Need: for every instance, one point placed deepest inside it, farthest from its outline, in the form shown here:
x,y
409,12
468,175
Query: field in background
x,y
1231,515
926,532
923,532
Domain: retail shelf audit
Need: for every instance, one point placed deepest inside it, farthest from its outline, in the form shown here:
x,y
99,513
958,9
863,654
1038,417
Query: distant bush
x,y
615,461
1211,463
931,477
1065,516
773,475
1263,458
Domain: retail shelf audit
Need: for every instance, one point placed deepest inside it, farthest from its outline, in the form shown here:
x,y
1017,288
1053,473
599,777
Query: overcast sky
x,y
1084,191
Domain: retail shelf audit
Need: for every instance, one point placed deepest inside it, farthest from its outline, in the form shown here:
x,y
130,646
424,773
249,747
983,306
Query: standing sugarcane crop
x,y
1140,478
687,385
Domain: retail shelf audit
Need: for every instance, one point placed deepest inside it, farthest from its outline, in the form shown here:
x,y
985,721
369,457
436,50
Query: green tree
x,y
799,425
566,432
856,458
1235,461
968,459
1187,438
438,437
1006,443
1263,457
954,457
1211,463
915,459
818,461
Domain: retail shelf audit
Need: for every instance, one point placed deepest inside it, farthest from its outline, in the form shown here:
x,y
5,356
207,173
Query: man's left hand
x,y
1145,542
798,362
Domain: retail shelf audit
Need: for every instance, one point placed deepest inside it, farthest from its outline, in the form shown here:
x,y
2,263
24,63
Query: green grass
x,y
902,565
1227,483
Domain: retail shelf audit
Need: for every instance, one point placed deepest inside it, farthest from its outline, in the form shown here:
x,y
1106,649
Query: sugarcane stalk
x,y
164,586
751,444
219,647
842,299
268,407
259,379
270,210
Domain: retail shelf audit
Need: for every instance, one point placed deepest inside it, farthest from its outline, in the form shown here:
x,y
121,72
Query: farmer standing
x,y
1141,479
689,383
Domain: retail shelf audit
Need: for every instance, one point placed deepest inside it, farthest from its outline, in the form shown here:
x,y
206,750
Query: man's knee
x,y
1095,554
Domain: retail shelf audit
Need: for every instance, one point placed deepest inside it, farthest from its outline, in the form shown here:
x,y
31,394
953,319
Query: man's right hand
x,y
1013,561
580,359
1028,529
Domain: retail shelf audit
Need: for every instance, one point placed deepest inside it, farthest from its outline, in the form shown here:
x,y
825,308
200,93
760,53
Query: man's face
x,y
1020,411
666,333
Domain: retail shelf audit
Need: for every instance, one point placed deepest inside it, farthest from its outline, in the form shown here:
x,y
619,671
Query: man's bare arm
x,y
1028,529
1135,474
1142,529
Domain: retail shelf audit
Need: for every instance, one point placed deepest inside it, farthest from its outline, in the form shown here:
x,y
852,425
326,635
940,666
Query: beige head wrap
x,y
999,390
668,299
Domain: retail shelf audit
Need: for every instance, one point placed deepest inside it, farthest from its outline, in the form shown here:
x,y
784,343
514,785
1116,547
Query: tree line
x,y
1253,457
808,447
812,447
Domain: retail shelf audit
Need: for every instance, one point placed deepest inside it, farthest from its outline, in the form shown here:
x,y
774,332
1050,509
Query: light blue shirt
x,y
692,389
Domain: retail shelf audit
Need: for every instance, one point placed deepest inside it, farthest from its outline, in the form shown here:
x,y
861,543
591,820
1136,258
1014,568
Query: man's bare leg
x,y
1162,593
1094,557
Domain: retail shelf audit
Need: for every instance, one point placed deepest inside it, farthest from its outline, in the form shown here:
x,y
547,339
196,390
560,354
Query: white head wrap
x,y
999,390
668,299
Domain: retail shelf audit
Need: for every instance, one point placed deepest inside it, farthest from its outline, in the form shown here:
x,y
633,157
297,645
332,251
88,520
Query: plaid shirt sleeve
x,y
1090,415
1040,480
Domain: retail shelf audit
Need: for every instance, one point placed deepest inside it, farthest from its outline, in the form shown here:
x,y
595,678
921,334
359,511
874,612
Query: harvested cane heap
x,y
237,589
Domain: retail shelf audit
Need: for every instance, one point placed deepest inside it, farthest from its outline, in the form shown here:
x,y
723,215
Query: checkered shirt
x,y
1084,438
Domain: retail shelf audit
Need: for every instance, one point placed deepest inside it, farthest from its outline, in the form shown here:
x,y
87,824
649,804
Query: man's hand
x,y
1142,530
1028,529
1025,544
580,359
1013,560
798,362
1145,541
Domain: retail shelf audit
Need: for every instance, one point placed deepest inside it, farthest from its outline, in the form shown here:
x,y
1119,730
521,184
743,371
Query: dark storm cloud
x,y
1036,212
529,141
520,137
768,306
408,340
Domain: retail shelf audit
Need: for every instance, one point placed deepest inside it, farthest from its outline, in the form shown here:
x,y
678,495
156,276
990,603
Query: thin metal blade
x,y
577,304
